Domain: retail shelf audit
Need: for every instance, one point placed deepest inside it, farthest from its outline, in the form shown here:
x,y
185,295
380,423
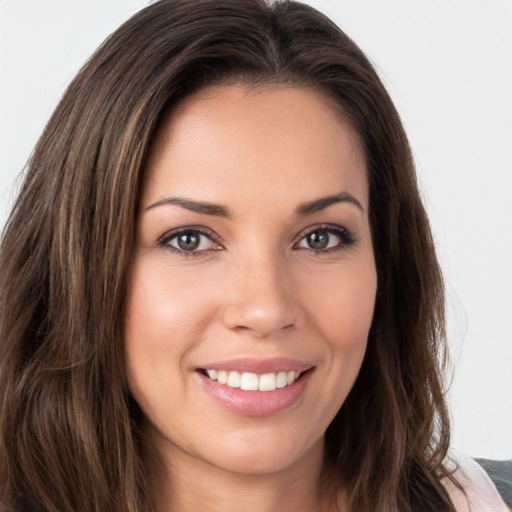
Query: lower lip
x,y
256,403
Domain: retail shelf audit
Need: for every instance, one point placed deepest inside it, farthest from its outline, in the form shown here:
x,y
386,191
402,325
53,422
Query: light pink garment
x,y
480,492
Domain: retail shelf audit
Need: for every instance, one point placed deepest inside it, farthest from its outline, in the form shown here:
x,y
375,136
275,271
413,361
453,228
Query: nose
x,y
261,299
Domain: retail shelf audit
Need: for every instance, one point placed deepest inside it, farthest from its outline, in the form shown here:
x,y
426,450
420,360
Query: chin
x,y
259,454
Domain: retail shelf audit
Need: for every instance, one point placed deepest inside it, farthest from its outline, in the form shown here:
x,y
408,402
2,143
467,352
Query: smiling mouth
x,y
251,388
248,381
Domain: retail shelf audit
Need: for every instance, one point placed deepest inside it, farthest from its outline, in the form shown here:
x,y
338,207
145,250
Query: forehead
x,y
264,143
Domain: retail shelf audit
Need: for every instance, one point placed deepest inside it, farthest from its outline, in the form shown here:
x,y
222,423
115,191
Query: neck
x,y
187,484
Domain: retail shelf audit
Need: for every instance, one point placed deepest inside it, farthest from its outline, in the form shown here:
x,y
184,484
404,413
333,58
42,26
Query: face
x,y
254,281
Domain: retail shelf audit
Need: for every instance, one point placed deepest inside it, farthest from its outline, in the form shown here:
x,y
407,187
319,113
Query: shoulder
x,y
480,494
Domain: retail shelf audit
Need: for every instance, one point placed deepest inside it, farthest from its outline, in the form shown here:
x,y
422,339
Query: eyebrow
x,y
324,202
205,208
217,210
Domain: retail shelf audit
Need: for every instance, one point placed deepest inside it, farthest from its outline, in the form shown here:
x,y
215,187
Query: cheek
x,y
343,312
164,305
165,315
343,315
340,309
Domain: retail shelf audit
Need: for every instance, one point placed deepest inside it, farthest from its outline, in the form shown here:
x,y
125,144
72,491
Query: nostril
x,y
261,320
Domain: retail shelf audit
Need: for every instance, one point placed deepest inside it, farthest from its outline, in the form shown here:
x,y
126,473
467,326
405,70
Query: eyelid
x,y
347,238
163,240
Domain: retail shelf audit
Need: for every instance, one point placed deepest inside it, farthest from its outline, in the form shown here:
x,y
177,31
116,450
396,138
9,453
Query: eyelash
x,y
346,237
164,240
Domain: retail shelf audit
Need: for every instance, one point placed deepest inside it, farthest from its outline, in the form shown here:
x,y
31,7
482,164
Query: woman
x,y
218,283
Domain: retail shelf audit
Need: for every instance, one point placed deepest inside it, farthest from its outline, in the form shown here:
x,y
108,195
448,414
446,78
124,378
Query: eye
x,y
326,239
188,241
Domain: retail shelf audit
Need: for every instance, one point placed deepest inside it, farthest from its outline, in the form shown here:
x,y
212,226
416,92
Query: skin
x,y
255,288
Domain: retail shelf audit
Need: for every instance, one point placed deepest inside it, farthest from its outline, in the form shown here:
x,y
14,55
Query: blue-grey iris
x,y
318,239
188,241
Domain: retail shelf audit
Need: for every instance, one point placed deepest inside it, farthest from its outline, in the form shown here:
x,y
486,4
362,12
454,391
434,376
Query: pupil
x,y
188,241
318,240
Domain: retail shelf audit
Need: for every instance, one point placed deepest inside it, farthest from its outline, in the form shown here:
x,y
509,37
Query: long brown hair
x,y
68,426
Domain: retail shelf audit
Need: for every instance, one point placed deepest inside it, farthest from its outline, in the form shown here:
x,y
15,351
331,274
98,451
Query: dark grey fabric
x,y
500,472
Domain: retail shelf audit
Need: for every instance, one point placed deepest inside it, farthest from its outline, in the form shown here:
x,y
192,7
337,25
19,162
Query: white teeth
x,y
212,374
267,382
249,382
291,376
233,380
281,380
253,382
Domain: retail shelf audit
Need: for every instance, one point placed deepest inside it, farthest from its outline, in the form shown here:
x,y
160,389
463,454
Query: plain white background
x,y
448,67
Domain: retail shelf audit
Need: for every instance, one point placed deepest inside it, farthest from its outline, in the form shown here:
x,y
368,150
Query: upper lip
x,y
259,366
